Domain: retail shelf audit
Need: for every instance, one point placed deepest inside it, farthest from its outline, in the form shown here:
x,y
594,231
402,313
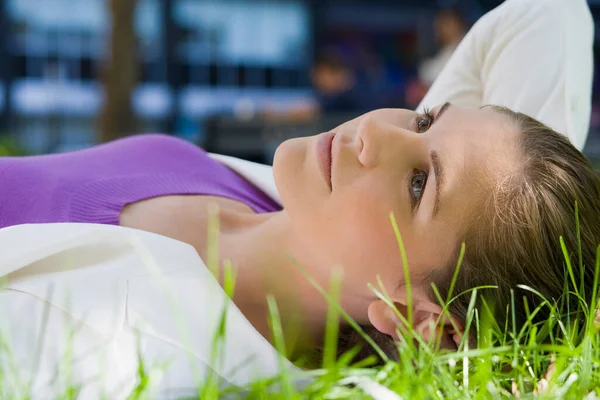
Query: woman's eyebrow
x,y
443,109
439,178
437,165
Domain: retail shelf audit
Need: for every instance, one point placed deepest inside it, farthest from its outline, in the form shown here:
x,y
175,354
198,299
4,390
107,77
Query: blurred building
x,y
198,58
201,59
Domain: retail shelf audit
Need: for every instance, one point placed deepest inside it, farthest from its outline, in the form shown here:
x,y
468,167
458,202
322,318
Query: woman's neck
x,y
259,249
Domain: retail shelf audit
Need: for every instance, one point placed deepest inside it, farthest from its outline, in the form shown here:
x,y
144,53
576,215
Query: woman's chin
x,y
288,165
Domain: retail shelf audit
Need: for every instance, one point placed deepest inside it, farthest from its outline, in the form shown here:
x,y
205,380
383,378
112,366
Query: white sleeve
x,y
532,56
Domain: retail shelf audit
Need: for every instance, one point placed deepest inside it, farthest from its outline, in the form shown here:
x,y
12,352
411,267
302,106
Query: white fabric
x,y
119,290
532,56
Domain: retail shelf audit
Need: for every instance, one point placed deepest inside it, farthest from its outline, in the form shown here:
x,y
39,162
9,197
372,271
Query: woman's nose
x,y
377,140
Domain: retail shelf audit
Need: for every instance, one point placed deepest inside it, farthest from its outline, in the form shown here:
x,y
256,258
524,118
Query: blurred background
x,y
235,77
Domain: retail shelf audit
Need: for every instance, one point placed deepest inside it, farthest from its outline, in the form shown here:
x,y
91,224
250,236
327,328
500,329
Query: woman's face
x,y
433,174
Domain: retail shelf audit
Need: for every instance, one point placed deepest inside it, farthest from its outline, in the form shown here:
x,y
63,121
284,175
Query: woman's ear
x,y
426,321
384,318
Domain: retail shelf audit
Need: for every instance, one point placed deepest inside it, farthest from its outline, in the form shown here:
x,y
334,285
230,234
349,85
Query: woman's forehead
x,y
478,148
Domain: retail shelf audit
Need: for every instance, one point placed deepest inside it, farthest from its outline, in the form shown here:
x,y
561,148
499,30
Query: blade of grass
x,y
579,253
279,342
332,322
212,241
407,284
343,313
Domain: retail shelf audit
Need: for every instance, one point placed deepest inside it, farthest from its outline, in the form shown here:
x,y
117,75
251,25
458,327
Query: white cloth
x,y
532,56
118,290
107,295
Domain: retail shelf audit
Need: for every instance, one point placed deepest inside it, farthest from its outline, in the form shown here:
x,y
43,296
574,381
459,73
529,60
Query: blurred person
x,y
338,90
335,84
503,183
450,27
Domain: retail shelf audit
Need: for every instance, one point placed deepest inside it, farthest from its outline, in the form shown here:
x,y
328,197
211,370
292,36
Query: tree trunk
x,y
119,73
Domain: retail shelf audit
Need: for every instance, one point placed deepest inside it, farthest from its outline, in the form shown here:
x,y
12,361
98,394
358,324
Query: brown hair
x,y
516,238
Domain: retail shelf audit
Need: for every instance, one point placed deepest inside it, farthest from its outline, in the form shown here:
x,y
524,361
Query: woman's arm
x,y
533,56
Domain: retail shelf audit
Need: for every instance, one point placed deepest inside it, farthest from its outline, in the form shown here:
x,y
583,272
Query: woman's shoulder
x,y
154,140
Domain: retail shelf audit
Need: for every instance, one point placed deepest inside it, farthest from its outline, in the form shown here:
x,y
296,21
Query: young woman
x,y
497,180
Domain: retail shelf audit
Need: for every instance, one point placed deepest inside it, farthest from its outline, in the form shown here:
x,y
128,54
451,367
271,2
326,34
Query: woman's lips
x,y
324,155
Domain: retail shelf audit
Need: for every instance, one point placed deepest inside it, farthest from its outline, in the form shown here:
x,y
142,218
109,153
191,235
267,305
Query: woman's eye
x,y
424,121
417,185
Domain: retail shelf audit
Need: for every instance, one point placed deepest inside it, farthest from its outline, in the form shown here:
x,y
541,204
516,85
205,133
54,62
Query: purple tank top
x,y
93,185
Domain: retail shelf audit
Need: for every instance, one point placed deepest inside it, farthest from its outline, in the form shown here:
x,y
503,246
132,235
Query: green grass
x,y
555,360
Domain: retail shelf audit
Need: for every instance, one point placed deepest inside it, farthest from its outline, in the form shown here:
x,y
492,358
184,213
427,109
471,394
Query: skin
x,y
346,225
